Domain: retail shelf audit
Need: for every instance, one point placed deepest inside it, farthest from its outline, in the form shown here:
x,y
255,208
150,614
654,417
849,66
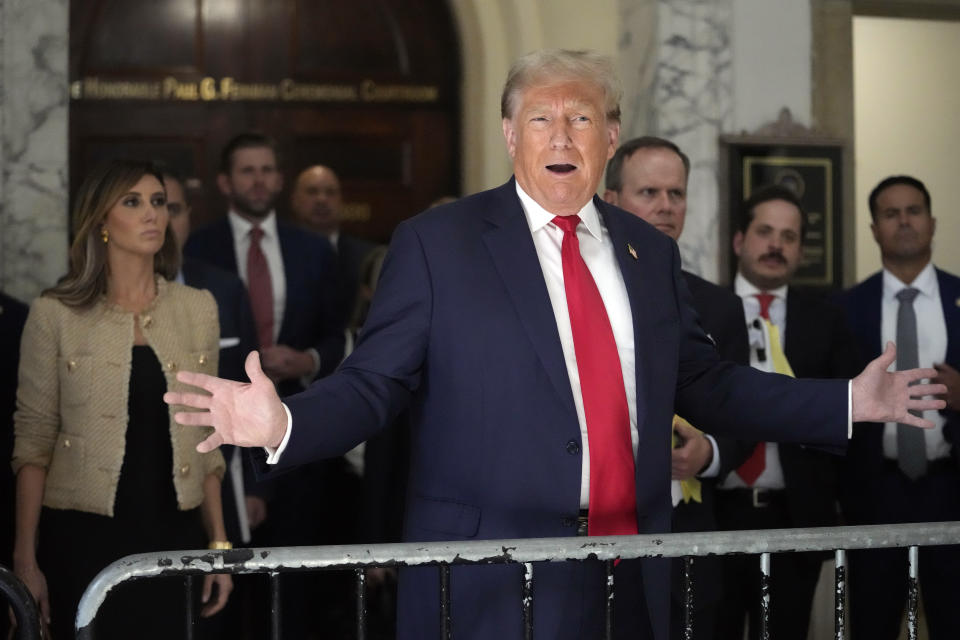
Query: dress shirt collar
x,y
743,288
926,282
538,217
241,226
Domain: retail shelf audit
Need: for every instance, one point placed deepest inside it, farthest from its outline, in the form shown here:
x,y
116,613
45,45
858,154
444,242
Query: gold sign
x,y
229,89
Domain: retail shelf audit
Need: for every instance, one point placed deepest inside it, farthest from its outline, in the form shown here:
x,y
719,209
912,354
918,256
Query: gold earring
x,y
105,235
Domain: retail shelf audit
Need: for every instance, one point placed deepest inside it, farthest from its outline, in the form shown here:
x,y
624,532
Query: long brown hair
x,y
86,278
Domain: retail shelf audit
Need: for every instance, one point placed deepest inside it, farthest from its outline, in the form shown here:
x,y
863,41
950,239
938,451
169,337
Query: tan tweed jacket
x,y
71,416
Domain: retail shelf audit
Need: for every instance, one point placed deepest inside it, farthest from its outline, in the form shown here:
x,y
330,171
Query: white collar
x,y
242,226
744,288
926,282
538,217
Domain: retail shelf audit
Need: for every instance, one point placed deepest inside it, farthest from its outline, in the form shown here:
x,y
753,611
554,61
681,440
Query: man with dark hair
x,y
889,475
648,177
291,277
540,338
780,485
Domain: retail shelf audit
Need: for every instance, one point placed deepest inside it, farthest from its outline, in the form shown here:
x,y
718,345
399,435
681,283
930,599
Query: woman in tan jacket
x,y
103,470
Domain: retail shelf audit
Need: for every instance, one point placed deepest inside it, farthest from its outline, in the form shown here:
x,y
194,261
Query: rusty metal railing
x,y
23,605
274,561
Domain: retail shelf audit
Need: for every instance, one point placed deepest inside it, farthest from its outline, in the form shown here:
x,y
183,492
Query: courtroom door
x,y
368,87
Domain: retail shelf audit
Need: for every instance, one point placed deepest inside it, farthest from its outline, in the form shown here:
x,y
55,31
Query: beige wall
x,y
494,33
907,101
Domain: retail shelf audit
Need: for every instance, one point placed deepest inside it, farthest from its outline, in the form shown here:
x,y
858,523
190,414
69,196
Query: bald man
x,y
317,205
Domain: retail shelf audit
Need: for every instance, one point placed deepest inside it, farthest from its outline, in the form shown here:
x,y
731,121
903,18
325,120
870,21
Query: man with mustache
x,y
887,478
780,485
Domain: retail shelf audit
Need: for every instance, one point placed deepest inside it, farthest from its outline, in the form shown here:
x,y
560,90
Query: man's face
x,y
178,210
654,188
316,199
771,248
254,181
560,141
903,226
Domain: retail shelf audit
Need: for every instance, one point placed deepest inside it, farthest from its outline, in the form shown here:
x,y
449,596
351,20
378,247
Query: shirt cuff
x,y
849,409
273,455
308,379
713,469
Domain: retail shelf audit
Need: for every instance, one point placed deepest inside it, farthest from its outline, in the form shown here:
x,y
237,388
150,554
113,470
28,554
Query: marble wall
x,y
33,144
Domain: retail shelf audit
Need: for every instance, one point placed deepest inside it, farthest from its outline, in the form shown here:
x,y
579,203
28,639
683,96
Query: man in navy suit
x,y
648,177
304,338
876,489
470,330
293,296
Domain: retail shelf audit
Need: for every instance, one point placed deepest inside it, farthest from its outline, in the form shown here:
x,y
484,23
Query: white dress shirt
x,y
931,348
270,245
759,338
597,251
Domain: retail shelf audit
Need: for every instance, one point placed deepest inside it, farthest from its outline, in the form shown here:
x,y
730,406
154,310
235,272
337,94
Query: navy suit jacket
x,y
461,331
309,317
865,458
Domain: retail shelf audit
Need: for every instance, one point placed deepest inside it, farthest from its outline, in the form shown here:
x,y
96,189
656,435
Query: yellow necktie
x,y
777,356
689,488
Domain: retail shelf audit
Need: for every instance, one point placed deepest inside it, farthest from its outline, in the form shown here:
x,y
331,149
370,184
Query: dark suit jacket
x,y
817,344
721,315
350,254
13,315
461,331
309,318
865,458
236,324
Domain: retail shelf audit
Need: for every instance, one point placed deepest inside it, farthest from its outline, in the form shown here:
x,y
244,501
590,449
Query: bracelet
x,y
220,545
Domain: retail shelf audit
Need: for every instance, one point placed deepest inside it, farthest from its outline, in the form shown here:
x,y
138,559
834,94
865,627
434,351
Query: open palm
x,y
243,414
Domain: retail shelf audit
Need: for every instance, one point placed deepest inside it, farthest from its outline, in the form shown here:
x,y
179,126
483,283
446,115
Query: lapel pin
x,y
958,302
633,254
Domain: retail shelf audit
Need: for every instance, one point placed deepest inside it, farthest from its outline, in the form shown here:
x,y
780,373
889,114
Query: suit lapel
x,y
510,244
292,276
950,301
632,265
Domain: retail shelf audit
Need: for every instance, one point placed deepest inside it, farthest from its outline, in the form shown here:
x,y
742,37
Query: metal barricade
x,y
526,552
23,605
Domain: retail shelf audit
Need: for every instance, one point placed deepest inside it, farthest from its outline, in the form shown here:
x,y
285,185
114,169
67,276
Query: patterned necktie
x,y
613,502
756,464
911,443
260,288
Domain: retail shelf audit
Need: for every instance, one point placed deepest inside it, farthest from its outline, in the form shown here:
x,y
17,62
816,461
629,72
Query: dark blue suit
x,y
309,265
875,492
461,331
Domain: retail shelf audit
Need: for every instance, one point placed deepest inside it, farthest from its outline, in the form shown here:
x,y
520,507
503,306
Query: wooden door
x,y
367,87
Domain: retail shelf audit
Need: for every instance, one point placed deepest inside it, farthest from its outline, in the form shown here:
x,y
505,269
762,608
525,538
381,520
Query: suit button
x,y
71,365
573,447
185,469
171,366
568,522
203,359
147,321
66,443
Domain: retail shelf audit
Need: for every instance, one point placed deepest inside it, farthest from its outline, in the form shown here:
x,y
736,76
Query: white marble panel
x,y
33,145
693,105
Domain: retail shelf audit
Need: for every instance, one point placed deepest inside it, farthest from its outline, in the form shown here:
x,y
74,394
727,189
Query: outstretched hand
x,y
242,414
879,395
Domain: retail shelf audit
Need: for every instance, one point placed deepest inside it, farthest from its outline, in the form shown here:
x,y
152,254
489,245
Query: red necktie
x,y
613,501
260,288
751,469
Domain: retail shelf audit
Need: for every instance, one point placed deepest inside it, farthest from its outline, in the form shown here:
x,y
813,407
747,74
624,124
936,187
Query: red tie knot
x,y
568,224
256,233
765,299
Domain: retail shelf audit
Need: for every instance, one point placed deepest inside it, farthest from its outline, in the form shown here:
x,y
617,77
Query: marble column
x,y
33,144
675,61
